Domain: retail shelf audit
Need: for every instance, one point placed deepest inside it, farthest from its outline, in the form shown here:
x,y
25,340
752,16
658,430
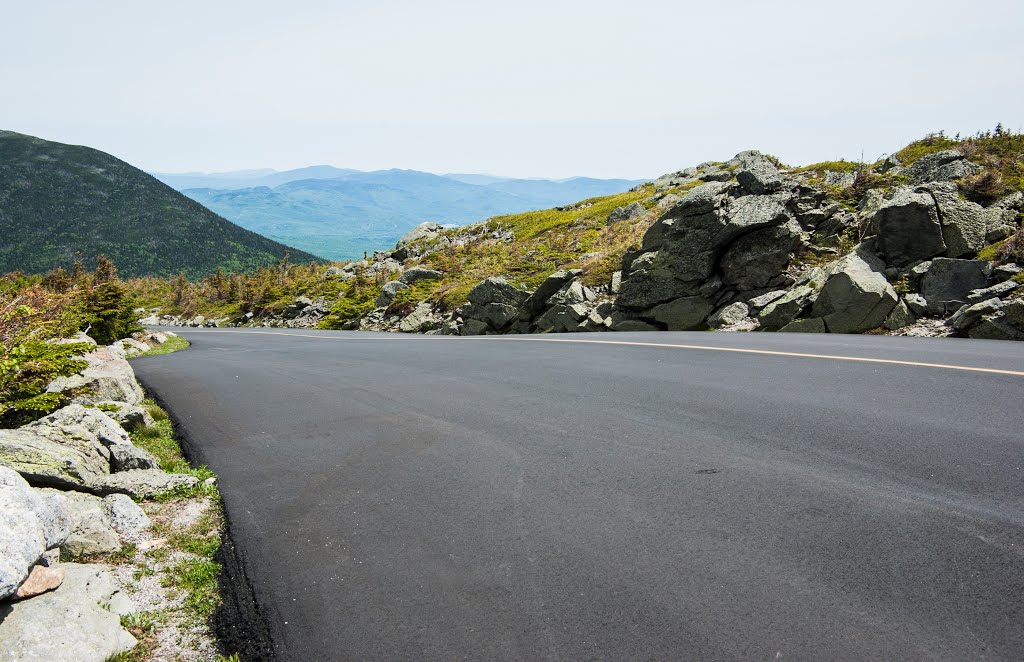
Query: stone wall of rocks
x,y
67,483
750,247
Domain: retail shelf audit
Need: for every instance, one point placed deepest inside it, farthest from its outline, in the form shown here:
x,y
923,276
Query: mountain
x,y
339,213
60,201
239,179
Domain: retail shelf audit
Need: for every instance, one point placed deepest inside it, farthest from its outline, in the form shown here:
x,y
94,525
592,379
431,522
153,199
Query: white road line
x,y
709,348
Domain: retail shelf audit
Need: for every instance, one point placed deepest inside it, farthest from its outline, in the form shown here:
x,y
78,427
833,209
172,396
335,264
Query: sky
x,y
528,88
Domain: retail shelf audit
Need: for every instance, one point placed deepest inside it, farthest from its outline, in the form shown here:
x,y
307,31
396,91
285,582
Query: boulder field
x,y
67,484
743,246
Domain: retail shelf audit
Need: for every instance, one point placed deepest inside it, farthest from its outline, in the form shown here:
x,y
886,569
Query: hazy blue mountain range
x,y
339,213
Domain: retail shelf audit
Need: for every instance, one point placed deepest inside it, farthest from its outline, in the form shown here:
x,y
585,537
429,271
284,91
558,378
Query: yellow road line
x,y
709,348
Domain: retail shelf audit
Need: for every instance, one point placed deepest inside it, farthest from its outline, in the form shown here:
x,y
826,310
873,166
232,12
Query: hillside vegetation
x,y
341,214
59,202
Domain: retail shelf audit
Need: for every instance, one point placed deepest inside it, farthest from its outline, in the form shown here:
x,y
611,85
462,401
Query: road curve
x,y
692,496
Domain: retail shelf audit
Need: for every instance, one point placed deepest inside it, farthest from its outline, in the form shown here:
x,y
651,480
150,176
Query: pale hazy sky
x,y
526,88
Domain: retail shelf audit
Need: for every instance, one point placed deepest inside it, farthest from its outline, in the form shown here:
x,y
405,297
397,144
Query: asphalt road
x,y
511,498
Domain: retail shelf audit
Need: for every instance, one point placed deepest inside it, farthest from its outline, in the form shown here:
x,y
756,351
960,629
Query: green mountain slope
x,y
60,201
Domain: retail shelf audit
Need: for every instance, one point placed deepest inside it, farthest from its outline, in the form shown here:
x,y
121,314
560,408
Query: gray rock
x,y
32,522
495,315
616,283
572,293
474,327
763,300
95,420
414,274
537,301
426,230
807,325
948,282
786,308
683,314
633,325
142,483
132,347
1006,271
126,457
107,377
70,457
496,290
728,315
900,317
129,417
940,167
963,222
420,320
1014,311
757,174
909,228
855,299
562,318
890,163
669,200
125,515
68,623
994,328
997,290
757,258
388,293
627,213
91,529
916,304
966,317
688,240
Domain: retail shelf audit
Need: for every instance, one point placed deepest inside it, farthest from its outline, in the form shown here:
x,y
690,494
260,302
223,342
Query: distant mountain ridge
x,y
59,202
339,213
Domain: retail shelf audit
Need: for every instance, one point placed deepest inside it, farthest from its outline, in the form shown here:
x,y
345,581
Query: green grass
x,y
197,578
173,344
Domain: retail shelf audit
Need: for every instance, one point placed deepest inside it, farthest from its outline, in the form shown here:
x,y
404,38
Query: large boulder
x,y
627,213
425,230
31,523
80,620
537,301
142,483
948,283
909,229
963,222
941,166
854,299
757,259
729,315
388,293
683,314
69,458
420,320
683,247
127,416
108,376
757,174
786,308
414,274
495,302
123,454
496,290
91,529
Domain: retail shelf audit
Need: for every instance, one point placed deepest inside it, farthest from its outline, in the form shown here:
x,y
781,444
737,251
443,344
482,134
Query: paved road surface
x,y
409,497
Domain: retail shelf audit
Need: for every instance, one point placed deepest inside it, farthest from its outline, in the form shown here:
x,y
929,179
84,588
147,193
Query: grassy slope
x,y
58,201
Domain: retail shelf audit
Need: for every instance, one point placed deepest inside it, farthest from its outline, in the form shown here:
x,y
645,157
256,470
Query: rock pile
x,y
66,482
